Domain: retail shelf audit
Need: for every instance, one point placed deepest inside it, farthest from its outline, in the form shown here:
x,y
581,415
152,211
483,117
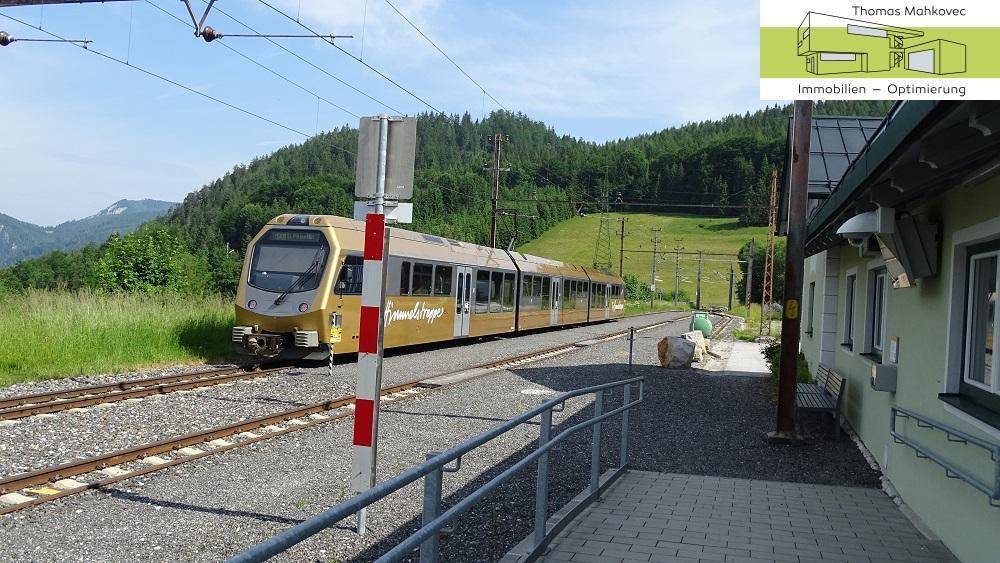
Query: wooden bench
x,y
822,374
828,396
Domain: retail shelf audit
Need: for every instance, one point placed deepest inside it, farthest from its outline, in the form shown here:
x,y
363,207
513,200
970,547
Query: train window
x,y
404,278
422,276
507,292
458,302
442,280
526,286
349,280
536,287
546,282
286,258
482,291
495,287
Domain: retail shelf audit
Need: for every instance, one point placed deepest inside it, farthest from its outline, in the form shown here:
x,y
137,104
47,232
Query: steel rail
x,y
56,401
44,476
22,406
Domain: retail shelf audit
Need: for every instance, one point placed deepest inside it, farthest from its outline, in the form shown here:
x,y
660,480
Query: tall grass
x,y
48,334
752,328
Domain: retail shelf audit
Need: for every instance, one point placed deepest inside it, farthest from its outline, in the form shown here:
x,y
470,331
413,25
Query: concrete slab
x,y
747,360
10,499
68,484
114,471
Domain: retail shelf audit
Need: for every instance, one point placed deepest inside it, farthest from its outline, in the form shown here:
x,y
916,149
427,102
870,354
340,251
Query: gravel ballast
x,y
691,422
41,441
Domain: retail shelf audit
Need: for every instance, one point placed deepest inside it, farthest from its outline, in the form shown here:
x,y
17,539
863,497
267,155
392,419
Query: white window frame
x,y
850,300
879,291
873,346
994,387
812,308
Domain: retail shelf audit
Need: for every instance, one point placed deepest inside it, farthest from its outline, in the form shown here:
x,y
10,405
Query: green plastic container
x,y
701,322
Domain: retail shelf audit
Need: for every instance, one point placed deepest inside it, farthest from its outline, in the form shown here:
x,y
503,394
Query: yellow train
x,y
300,290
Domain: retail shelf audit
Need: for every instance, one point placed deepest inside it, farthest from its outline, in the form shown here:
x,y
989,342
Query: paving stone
x,y
671,517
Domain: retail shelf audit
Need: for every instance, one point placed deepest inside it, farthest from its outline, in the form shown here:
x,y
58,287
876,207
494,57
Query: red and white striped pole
x,y
370,335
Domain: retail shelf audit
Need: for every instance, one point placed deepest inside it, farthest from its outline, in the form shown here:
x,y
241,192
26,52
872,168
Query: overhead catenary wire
x,y
445,55
351,55
307,61
164,79
262,65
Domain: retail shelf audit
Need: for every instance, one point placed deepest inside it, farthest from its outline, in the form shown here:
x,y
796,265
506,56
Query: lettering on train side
x,y
418,312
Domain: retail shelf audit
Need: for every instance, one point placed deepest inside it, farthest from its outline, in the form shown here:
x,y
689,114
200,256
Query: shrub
x,y
772,355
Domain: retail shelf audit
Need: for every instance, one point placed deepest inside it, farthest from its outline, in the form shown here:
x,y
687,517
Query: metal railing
x,y
951,469
433,469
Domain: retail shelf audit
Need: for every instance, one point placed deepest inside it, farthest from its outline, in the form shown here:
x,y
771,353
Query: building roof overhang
x,y
921,150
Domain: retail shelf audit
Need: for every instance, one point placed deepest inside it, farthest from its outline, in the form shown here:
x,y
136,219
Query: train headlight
x,y
252,304
303,307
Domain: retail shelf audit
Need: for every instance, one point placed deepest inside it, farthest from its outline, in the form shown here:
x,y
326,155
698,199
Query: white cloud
x,y
666,62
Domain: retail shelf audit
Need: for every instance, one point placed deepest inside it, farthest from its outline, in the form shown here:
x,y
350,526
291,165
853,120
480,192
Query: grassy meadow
x,y
574,240
60,334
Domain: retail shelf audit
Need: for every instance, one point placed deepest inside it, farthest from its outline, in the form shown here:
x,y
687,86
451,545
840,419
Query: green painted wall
x,y
960,515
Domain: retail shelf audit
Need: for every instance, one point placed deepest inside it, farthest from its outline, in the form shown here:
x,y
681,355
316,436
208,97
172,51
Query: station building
x,y
902,303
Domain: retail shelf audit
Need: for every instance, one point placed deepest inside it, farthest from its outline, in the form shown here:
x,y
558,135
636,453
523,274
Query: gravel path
x,y
210,509
41,441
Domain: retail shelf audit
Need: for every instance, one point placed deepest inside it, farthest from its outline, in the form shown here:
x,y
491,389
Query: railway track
x,y
80,397
25,490
23,406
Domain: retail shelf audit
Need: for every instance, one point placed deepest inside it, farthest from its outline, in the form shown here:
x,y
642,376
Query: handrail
x,y
432,468
418,537
954,435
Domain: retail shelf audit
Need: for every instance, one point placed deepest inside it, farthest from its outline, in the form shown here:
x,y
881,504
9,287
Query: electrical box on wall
x,y
883,377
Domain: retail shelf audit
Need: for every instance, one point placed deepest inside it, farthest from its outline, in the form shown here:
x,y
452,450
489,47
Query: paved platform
x,y
745,359
648,516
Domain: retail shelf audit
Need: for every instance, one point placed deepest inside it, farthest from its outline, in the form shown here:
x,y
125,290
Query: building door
x,y
556,301
463,301
922,61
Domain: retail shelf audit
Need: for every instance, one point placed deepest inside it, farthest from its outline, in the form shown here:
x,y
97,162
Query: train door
x,y
607,301
556,301
463,307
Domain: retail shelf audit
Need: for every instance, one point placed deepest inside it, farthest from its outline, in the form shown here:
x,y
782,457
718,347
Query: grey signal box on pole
x,y
400,154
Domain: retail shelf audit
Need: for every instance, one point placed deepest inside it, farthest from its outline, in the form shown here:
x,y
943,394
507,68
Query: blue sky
x,y
80,132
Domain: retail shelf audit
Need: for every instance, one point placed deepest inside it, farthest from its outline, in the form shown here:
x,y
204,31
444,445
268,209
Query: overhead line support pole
x,y
794,264
496,143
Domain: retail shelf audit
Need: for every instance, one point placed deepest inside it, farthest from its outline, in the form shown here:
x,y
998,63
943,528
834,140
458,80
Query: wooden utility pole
x,y
496,145
677,268
621,248
732,278
791,319
652,271
767,295
697,304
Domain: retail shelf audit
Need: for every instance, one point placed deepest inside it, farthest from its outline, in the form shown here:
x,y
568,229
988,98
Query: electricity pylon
x,y
772,227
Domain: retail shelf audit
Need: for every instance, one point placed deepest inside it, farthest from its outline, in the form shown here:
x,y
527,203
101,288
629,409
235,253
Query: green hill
x,y
574,241
725,162
22,241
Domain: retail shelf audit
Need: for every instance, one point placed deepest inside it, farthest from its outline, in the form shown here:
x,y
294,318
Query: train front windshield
x,y
286,259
